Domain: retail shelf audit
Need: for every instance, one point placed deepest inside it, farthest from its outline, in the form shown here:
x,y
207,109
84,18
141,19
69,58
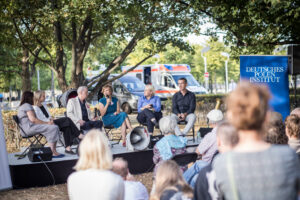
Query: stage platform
x,y
26,174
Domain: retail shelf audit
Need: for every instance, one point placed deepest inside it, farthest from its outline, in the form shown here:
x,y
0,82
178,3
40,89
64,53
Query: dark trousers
x,y
69,129
88,125
145,117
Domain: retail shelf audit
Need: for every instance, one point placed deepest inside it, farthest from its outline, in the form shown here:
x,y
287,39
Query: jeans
x,y
191,174
190,119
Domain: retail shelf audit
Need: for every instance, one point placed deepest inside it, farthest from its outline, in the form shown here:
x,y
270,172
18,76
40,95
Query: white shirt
x,y
95,184
39,113
135,190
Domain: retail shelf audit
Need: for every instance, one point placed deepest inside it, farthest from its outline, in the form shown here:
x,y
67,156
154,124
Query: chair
x,y
35,140
185,158
145,125
204,131
193,129
108,131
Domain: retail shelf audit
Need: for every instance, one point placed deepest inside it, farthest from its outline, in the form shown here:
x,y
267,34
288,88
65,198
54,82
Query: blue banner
x,y
273,72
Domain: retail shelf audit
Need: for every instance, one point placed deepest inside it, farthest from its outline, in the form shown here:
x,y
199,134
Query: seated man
x,y
227,138
134,190
183,107
79,112
207,149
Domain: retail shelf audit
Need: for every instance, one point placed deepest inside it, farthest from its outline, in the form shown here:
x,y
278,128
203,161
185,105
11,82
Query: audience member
x,y
169,183
275,129
110,111
65,124
32,125
93,178
79,111
292,130
296,111
134,190
227,138
255,169
149,109
183,107
207,149
170,144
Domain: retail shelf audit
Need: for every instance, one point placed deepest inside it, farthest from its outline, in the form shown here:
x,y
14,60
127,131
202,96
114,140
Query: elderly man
x,y
183,107
207,149
134,190
79,112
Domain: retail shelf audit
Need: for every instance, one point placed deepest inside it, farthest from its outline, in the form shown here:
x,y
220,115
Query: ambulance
x,y
164,78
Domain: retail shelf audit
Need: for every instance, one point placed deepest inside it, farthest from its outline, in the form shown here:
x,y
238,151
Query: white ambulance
x,y
164,77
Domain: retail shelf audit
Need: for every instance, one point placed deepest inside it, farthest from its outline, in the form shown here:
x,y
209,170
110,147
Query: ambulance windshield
x,y
190,79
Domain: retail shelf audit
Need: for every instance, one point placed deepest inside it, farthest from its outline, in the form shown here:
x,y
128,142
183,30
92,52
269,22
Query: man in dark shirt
x,y
183,107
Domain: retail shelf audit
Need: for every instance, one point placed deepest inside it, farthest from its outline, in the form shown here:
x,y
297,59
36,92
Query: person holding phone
x,y
149,109
110,111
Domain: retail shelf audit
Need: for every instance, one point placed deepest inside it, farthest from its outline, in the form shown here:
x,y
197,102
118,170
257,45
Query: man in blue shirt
x,y
183,107
149,109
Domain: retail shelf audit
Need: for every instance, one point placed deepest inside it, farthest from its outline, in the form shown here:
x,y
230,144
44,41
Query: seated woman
x,y
255,166
110,111
65,124
169,183
149,109
32,125
170,144
93,178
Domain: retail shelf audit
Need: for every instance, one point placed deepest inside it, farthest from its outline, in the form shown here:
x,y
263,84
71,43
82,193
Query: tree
x,y
252,27
60,26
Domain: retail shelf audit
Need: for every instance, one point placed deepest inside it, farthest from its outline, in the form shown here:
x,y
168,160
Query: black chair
x,y
204,131
35,140
108,129
193,129
185,158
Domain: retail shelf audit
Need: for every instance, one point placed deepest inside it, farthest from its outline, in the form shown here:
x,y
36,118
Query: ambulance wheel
x,y
126,108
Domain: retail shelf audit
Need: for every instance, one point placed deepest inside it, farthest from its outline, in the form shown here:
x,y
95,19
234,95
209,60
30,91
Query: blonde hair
x,y
247,106
107,86
37,95
150,87
168,176
94,152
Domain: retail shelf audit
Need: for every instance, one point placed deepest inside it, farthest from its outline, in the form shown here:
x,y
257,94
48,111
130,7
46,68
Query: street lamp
x,y
226,69
204,50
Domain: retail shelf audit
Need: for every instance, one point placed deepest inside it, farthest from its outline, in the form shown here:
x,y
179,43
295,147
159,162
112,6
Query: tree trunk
x,y
80,47
59,67
25,74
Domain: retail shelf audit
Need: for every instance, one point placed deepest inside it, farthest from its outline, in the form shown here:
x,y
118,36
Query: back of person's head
x,y
296,111
94,152
227,136
247,106
167,125
120,167
27,97
37,96
292,124
169,176
275,133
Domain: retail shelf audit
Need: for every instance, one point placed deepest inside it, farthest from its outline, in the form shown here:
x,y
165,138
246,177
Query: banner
x,y
273,72
5,180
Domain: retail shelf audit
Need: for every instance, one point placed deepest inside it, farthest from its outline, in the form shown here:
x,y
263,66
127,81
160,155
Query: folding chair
x,y
35,140
185,159
108,131
193,129
204,131
145,125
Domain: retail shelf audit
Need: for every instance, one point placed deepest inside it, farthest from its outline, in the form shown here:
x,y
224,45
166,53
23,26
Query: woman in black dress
x,y
65,124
